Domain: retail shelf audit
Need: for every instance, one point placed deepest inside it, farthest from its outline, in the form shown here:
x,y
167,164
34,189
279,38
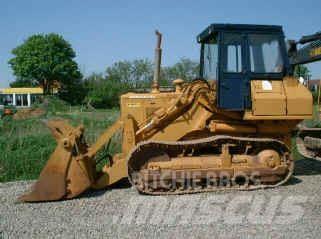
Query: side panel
x,y
268,97
276,99
299,98
141,106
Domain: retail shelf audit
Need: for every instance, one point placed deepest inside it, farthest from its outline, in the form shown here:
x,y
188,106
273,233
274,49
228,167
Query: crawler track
x,y
303,148
148,151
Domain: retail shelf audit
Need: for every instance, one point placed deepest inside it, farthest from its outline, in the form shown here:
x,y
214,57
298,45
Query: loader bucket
x,y
68,172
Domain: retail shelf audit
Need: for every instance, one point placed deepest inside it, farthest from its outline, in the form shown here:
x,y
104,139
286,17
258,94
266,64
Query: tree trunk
x,y
43,83
46,87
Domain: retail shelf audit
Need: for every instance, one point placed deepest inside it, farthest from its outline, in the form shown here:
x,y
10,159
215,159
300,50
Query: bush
x,y
53,104
105,93
74,92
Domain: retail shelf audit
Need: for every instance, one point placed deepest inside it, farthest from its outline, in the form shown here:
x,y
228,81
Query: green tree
x,y
23,83
120,72
142,73
74,92
103,92
185,69
301,71
133,74
45,58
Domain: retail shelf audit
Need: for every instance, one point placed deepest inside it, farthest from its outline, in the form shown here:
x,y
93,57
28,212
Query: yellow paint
x,y
34,90
133,105
315,52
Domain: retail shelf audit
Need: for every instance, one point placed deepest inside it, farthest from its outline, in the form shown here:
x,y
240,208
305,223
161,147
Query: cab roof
x,y
220,27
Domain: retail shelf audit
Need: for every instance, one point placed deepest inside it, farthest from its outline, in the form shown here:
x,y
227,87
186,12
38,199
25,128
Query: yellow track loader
x,y
228,129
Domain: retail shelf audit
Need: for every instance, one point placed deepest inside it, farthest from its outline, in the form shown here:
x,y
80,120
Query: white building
x,y
20,97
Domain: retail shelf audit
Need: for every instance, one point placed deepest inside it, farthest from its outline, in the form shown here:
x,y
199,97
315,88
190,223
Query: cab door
x,y
233,78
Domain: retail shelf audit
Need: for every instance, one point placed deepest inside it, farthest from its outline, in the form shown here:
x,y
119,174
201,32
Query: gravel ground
x,y
292,210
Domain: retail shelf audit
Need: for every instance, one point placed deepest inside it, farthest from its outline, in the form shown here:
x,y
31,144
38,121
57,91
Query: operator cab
x,y
234,54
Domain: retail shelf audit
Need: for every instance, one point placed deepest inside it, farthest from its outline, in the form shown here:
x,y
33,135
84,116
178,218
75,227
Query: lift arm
x,y
309,52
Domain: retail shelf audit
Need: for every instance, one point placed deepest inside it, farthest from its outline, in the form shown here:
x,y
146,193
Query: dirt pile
x,y
28,113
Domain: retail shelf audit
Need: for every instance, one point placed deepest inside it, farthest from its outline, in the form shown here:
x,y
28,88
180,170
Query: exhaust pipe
x,y
158,59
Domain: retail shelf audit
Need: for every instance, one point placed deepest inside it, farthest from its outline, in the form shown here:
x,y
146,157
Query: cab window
x,y
210,59
265,53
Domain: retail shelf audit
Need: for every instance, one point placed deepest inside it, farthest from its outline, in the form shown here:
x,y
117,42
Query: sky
x,y
105,31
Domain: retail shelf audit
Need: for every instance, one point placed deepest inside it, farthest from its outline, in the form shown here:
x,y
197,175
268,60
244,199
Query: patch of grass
x,y
23,158
315,122
25,145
